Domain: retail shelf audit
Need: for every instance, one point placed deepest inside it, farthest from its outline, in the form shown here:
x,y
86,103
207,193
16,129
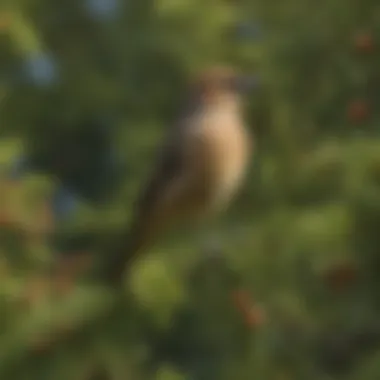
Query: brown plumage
x,y
199,168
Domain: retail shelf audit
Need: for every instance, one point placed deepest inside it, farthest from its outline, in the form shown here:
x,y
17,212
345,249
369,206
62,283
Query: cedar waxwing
x,y
199,169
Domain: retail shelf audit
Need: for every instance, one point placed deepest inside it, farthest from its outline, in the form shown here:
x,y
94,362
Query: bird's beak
x,y
245,83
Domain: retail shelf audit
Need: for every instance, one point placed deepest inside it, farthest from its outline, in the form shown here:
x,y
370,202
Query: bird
x,y
199,168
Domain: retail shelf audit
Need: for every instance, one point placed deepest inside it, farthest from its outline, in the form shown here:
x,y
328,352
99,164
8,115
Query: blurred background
x,y
87,87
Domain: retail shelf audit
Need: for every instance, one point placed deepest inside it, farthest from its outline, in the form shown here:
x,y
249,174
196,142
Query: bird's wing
x,y
169,166
170,159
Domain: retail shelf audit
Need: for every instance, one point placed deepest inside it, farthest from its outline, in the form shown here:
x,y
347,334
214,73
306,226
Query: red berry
x,y
255,317
5,22
358,110
252,314
341,277
364,42
6,221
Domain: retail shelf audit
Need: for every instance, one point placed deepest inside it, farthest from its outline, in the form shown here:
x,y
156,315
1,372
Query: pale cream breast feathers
x,y
224,152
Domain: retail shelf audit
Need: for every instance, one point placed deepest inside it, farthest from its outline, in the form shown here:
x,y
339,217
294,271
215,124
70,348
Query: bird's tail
x,y
125,249
118,261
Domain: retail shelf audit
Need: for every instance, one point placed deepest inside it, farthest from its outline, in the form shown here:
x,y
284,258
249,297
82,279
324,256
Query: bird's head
x,y
219,83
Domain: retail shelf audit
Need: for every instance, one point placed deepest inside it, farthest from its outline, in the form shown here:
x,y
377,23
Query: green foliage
x,y
306,220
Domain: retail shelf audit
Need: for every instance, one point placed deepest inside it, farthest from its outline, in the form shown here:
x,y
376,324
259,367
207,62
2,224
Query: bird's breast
x,y
224,151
